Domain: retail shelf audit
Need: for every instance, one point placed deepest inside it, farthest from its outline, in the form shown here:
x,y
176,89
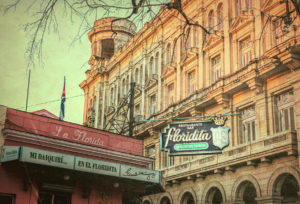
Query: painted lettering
x,y
174,134
33,155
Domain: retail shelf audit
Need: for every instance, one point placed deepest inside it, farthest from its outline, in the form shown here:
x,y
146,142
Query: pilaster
x,y
103,103
143,82
227,46
159,72
97,105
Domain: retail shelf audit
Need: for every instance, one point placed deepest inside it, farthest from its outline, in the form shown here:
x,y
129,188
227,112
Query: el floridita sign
x,y
204,137
67,161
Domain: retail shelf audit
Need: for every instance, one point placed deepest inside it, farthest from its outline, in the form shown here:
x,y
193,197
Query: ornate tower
x,y
106,37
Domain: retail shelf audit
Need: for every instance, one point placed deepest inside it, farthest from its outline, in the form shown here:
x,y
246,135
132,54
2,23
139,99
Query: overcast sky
x,y
61,58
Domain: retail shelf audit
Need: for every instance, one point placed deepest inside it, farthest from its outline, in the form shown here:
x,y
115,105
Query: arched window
x,y
162,62
195,35
188,39
123,88
141,74
112,98
136,75
175,51
168,51
127,84
220,17
156,63
117,95
151,67
211,21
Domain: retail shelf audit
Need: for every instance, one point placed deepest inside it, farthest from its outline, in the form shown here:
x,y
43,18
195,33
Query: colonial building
x,y
246,67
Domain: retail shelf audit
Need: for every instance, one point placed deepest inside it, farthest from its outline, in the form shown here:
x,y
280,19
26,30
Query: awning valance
x,y
66,161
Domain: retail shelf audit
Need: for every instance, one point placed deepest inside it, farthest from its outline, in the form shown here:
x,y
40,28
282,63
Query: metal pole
x,y
131,109
27,91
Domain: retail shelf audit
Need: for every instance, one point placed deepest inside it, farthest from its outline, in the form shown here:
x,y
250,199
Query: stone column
x,y
296,89
155,136
159,78
258,27
97,105
227,39
262,116
103,103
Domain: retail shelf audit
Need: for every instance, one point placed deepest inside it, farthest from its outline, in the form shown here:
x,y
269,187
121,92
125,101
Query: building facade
x,y
246,66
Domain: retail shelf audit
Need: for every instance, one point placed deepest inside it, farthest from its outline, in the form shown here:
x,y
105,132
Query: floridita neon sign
x,y
202,137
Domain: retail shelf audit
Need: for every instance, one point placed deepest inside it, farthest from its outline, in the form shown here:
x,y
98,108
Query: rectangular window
x,y
150,152
50,197
7,198
171,160
284,112
152,104
191,82
137,109
112,97
248,130
167,160
170,94
216,68
245,50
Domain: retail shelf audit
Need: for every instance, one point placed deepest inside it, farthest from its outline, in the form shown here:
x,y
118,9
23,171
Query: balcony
x,y
262,150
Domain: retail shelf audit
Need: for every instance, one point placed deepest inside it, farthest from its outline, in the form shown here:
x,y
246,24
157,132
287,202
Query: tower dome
x,y
108,34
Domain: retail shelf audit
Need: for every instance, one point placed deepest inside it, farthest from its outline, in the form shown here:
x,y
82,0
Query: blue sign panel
x,y
204,137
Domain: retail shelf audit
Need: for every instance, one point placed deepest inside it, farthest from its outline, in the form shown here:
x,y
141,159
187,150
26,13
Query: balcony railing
x,y
262,150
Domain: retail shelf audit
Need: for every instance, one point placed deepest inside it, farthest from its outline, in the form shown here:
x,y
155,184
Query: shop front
x,y
38,168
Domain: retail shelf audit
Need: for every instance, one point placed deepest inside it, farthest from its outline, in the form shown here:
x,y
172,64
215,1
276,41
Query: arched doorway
x,y
187,198
146,202
287,187
246,192
214,196
165,200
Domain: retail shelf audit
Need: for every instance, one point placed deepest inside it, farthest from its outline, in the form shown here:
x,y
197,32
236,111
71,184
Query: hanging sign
x,y
97,166
47,158
141,174
9,153
204,137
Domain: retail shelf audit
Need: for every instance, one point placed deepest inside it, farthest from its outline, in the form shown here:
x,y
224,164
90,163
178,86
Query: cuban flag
x,y
63,100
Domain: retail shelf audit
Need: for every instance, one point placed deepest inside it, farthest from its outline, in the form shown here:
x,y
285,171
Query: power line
x,y
52,101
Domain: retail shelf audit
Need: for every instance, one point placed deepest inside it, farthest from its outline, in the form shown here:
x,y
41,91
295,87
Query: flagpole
x,y
27,90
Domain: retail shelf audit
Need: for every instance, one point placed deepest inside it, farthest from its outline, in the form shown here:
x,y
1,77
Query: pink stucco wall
x,y
11,182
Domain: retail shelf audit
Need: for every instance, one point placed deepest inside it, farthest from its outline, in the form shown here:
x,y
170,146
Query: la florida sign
x,y
202,137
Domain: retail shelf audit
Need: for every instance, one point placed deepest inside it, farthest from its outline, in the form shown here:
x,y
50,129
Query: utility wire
x,y
52,101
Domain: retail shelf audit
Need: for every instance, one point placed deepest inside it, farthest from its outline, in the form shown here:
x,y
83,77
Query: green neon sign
x,y
191,146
